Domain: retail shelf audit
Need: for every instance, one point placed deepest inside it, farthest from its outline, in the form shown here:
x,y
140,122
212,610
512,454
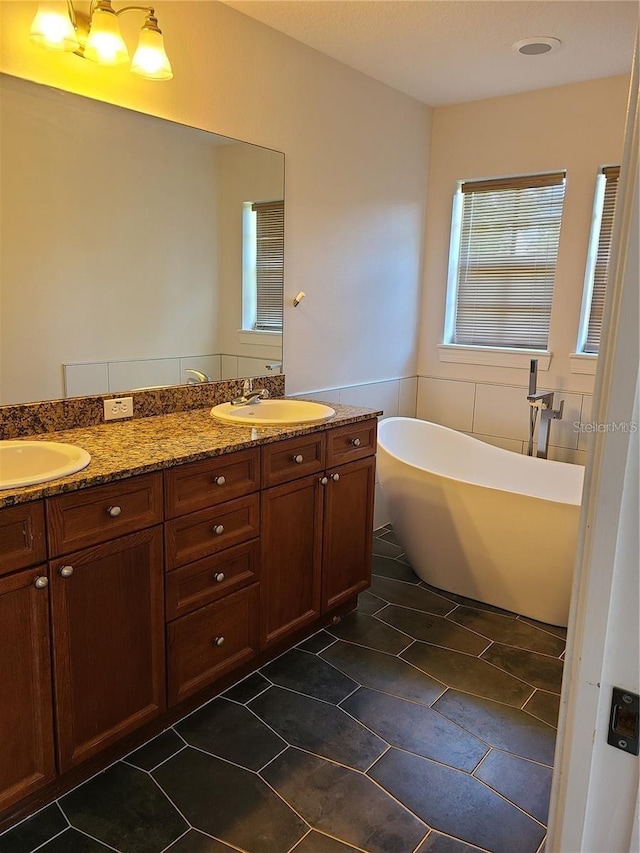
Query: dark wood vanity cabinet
x,y
120,600
316,541
107,614
213,568
26,714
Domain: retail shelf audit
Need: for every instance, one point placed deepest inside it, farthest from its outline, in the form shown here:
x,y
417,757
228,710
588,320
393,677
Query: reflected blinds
x,y
601,270
510,228
269,264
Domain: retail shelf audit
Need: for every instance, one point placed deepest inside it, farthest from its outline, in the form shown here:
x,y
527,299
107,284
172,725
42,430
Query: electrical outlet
x,y
120,407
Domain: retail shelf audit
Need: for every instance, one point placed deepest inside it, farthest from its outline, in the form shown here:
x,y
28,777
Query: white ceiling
x,y
451,51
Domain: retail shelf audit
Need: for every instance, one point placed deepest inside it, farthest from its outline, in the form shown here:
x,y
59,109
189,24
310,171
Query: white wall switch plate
x,y
120,407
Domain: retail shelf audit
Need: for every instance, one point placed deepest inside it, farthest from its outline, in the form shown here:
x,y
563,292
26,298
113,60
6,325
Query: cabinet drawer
x,y
100,513
22,541
212,641
200,534
200,583
350,442
203,484
291,459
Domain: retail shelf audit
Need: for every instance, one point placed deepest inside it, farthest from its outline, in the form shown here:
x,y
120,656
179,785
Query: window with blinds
x,y
598,259
502,267
269,265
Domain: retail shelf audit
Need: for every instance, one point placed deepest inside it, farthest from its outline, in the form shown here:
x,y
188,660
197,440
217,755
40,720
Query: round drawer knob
x,y
335,477
66,571
355,442
298,458
323,481
41,582
218,577
114,511
220,481
218,529
218,641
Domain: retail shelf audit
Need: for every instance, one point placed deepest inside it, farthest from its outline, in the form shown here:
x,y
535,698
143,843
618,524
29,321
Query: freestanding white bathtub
x,y
480,521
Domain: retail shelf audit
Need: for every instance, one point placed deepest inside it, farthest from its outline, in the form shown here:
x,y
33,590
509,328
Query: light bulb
x,y
53,29
150,59
104,42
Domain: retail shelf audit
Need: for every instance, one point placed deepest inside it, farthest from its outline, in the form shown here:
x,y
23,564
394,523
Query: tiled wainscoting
x,y
421,723
115,377
394,397
499,414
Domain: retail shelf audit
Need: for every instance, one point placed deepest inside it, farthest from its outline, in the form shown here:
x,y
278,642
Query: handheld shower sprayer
x,y
533,411
533,376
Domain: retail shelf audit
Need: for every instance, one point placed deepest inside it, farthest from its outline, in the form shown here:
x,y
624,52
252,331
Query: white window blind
x,y
269,265
505,267
601,265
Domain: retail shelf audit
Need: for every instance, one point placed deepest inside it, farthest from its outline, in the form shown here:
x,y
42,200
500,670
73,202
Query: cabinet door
x,y
348,528
108,639
26,724
291,562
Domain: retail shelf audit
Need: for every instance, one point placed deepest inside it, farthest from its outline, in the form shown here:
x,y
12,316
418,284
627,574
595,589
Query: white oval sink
x,y
274,413
25,463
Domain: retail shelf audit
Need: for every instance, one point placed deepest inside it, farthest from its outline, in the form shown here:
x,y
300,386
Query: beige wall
x,y
577,128
356,164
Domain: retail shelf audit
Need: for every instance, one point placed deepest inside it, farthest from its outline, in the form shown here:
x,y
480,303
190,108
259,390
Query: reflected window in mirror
x,y
263,266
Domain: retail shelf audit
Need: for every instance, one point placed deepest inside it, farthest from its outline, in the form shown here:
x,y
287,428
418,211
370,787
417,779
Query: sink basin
x,y
274,413
25,463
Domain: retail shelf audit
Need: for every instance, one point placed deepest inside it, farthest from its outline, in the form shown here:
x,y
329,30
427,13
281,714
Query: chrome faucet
x,y
541,401
197,376
249,396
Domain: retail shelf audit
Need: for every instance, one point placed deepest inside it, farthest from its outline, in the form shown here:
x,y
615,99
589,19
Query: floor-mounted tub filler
x,y
480,521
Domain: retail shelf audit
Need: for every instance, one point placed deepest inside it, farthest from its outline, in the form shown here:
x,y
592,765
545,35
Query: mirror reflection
x,y
135,252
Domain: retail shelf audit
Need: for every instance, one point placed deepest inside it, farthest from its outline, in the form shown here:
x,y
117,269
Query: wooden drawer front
x,y
91,516
291,459
200,534
207,580
202,484
350,442
212,641
22,541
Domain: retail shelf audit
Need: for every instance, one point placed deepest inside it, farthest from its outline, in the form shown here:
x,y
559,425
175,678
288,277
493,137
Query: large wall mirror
x,y
127,243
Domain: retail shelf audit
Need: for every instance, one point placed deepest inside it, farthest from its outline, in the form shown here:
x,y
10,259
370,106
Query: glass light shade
x,y
150,59
104,42
52,28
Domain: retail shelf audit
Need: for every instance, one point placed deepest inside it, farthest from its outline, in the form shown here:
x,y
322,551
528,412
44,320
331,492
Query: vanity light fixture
x,y
97,36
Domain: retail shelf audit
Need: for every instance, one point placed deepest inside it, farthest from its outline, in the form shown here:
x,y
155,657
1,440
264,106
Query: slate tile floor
x,y
422,723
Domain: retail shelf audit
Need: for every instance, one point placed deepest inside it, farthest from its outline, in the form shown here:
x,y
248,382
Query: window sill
x,y
251,336
582,362
494,356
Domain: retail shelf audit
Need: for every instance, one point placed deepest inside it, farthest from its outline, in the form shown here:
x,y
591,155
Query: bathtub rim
x,y
499,450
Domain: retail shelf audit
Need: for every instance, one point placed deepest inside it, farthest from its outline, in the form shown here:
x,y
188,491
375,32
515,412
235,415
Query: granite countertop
x,y
124,448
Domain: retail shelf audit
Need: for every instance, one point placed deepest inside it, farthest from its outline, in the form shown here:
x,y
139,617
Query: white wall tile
x,y
506,443
373,395
407,397
229,367
330,395
209,364
446,402
81,380
501,410
248,366
584,438
567,454
127,375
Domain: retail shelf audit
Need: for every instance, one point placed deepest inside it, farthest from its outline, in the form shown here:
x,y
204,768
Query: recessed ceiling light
x,y
536,46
